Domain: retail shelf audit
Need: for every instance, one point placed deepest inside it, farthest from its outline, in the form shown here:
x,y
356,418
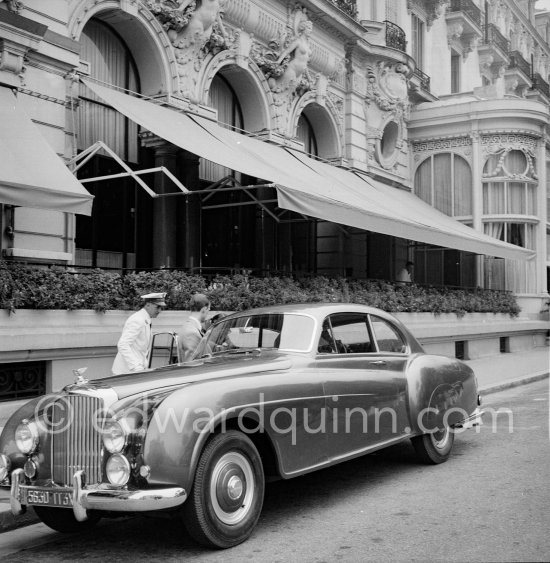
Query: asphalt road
x,y
489,502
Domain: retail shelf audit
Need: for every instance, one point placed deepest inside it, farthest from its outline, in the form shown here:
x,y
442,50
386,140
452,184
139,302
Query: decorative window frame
x,y
467,219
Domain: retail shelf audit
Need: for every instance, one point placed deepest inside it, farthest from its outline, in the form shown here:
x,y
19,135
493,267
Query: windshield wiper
x,y
235,351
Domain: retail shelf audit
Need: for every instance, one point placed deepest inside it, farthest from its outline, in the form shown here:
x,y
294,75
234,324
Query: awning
x,y
31,173
308,186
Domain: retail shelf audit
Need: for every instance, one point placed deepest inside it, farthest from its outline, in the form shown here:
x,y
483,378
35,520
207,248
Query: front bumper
x,y
98,498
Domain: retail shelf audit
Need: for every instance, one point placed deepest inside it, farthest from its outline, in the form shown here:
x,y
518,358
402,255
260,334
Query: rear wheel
x,y
227,495
435,447
63,519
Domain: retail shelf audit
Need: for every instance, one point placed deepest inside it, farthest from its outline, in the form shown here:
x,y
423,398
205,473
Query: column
x,y
541,202
189,207
164,209
477,196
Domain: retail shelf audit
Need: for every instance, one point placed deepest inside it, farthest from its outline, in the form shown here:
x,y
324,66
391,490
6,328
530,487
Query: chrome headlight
x,y
115,436
26,437
5,465
118,470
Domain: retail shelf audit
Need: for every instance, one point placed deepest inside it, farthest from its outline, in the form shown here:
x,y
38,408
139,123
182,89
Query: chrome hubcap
x,y
232,488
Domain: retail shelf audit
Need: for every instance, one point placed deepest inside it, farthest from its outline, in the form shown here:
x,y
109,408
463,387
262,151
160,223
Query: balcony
x,y
517,62
518,74
419,88
464,26
494,38
469,9
424,79
540,84
395,37
494,52
347,6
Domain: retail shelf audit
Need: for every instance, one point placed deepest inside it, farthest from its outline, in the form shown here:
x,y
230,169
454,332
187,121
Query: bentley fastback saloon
x,y
270,393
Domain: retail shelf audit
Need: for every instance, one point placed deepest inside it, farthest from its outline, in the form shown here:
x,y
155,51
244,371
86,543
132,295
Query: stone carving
x,y
496,141
170,14
285,61
500,168
196,30
191,25
433,8
387,86
13,5
442,144
454,32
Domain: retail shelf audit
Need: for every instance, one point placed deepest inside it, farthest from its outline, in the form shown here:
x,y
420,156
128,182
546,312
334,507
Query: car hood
x,y
175,376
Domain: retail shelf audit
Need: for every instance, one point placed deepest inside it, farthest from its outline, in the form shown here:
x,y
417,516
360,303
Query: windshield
x,y
291,332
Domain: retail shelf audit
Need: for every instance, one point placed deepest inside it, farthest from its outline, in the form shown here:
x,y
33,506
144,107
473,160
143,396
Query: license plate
x,y
48,498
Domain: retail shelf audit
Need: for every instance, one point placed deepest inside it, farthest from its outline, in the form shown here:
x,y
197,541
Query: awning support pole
x,y
79,160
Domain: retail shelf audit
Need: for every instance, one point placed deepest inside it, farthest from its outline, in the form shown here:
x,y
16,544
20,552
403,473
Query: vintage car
x,y
271,393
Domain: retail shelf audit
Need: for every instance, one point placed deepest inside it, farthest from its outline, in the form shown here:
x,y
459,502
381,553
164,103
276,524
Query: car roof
x,y
318,310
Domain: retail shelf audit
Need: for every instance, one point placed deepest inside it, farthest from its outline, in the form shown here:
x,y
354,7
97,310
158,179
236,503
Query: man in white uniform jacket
x,y
135,342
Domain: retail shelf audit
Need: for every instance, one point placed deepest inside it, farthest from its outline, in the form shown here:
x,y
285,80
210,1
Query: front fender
x,y
441,390
32,410
185,420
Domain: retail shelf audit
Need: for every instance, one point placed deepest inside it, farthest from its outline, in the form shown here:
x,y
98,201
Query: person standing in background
x,y
405,275
134,345
193,329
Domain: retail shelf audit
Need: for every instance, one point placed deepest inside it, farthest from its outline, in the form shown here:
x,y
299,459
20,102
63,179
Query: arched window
x,y
306,134
111,63
108,237
445,182
509,214
223,98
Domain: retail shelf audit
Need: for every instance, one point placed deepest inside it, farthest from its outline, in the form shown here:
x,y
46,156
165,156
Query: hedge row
x,y
29,287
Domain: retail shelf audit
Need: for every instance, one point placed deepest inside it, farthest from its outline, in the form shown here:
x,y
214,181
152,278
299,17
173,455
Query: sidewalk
x,y
494,373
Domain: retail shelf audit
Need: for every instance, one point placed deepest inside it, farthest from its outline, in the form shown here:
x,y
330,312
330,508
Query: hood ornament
x,y
79,376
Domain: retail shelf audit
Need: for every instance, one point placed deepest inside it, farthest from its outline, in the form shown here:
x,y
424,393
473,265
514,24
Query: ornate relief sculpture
x,y
387,86
196,30
171,15
13,5
432,8
285,61
189,22
296,55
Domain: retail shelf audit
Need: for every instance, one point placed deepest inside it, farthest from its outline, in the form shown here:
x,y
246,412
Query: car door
x,y
364,385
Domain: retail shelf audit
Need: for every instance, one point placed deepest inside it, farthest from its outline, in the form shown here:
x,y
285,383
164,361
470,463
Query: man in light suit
x,y
135,342
192,329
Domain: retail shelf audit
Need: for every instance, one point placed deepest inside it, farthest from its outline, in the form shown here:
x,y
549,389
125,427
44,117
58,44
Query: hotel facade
x,y
329,137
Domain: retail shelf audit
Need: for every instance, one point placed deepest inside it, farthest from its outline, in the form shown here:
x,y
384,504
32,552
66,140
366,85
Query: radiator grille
x,y
76,441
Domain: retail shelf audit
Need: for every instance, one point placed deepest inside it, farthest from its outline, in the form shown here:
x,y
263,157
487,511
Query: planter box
x,y
68,340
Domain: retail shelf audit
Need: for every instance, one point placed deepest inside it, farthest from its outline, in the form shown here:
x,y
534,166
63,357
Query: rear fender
x,y
442,391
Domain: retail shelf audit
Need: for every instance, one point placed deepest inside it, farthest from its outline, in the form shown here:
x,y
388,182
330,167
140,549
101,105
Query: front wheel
x,y
228,492
63,519
435,447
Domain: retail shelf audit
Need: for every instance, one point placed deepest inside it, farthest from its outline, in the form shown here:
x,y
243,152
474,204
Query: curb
x,y
514,383
10,522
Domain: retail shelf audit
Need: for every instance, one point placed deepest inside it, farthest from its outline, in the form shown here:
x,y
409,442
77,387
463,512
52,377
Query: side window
x,y
345,333
387,337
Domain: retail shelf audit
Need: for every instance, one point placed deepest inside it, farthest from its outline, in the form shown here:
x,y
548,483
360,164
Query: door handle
x,y
378,363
